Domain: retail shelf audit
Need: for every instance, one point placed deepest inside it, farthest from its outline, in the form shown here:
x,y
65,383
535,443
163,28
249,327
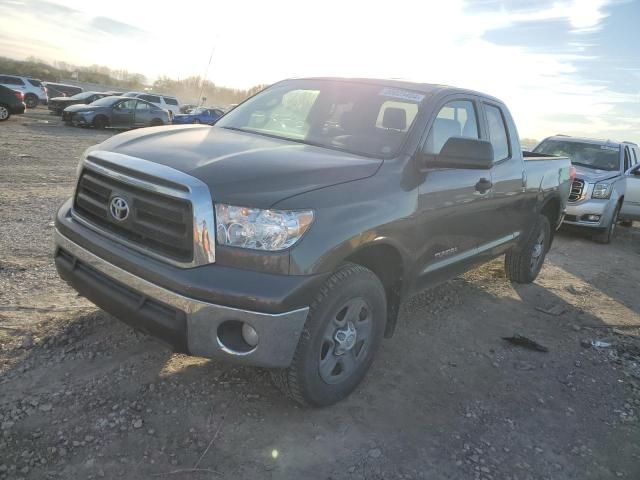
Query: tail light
x,y
572,173
20,96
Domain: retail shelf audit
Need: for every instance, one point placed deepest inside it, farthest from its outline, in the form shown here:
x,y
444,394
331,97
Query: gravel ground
x,y
83,396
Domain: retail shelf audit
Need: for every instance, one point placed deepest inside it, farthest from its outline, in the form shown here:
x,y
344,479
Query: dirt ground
x,y
82,396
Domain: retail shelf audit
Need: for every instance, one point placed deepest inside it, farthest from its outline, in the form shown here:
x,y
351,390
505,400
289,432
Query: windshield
x,y
105,101
590,155
130,94
197,111
361,118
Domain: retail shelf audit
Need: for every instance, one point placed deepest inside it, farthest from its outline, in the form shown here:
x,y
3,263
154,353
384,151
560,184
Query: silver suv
x,y
31,88
597,199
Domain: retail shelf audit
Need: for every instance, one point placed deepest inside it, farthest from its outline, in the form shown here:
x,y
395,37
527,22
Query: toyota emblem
x,y
119,208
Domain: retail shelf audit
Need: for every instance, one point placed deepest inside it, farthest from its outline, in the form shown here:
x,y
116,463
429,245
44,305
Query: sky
x,y
562,66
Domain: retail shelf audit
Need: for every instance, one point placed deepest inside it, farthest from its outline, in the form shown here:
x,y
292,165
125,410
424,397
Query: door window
x,y
142,107
634,158
627,159
497,133
6,80
455,119
126,105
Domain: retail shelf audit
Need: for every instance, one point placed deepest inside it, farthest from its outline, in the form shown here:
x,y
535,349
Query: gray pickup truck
x,y
287,235
605,170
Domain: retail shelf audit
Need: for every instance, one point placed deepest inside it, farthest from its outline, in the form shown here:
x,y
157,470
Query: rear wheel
x,y
100,122
522,264
30,100
4,113
605,235
342,333
156,122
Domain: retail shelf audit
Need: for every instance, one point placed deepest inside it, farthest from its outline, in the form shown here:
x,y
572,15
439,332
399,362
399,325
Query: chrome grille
x,y
160,223
169,214
577,189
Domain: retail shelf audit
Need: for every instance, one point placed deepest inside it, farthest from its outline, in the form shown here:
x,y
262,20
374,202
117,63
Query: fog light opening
x,y
236,337
591,218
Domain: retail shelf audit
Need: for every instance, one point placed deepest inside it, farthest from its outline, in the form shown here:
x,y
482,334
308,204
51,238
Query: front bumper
x,y
189,325
577,213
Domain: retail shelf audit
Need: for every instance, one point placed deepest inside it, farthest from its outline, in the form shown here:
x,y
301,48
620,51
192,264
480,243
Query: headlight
x,y
258,229
601,190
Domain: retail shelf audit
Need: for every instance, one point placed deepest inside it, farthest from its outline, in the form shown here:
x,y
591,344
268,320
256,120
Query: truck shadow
x,y
446,373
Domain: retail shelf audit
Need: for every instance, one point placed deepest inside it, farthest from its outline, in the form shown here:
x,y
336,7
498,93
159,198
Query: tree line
x,y
188,90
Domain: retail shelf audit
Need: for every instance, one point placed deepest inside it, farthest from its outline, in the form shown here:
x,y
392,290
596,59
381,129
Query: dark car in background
x,y
199,115
55,90
116,112
11,103
58,104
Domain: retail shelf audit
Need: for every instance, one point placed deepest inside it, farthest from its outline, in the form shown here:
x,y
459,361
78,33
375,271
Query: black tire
x,y
195,121
31,100
5,112
605,235
100,122
522,264
626,223
156,122
311,380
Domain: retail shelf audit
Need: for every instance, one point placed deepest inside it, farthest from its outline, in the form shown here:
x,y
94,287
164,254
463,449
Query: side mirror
x,y
461,152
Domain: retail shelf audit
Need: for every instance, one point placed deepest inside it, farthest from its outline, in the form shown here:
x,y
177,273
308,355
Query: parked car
x,y
291,245
32,88
597,199
58,104
165,102
116,112
199,115
54,90
11,103
187,107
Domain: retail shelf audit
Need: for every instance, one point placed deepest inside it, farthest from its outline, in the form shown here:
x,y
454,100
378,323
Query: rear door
x,y
122,113
142,116
508,205
453,208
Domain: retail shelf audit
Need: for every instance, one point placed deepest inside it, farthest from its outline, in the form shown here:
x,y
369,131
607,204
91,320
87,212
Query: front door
x,y
631,204
453,207
122,115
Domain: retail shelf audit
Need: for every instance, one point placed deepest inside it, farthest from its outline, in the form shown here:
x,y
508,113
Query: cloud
x,y
114,27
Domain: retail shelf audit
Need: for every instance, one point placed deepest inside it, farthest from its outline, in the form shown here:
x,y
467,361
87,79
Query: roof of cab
x,y
427,88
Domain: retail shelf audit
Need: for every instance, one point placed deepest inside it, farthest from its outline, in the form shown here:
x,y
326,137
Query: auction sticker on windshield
x,y
402,94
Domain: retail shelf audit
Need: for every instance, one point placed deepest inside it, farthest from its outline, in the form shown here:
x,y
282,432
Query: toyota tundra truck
x,y
287,235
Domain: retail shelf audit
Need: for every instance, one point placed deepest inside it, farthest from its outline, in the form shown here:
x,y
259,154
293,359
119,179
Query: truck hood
x,y
592,175
243,168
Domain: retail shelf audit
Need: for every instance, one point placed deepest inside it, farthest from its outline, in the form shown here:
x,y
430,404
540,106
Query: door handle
x,y
483,185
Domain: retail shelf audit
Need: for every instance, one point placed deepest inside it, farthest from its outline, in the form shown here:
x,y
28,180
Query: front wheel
x,y
605,235
196,121
341,335
522,264
4,113
156,122
100,122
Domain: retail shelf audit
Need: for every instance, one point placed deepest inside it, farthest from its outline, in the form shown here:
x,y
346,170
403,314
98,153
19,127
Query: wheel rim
x,y
30,102
4,113
538,251
346,340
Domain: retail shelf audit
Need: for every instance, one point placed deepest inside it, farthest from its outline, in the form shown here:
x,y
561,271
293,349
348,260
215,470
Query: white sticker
x,y
607,147
402,94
